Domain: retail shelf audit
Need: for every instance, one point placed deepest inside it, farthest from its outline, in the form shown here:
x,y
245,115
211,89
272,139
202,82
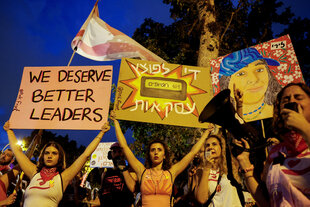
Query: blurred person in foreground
x,y
288,167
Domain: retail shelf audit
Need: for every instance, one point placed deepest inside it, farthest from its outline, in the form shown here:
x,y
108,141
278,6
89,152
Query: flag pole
x,y
263,128
72,56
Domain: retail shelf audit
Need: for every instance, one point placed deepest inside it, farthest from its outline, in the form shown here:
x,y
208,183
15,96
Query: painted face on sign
x,y
252,81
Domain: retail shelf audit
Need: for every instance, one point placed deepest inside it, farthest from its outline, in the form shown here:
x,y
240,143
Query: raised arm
x,y
202,190
177,168
69,173
252,183
130,180
26,165
136,165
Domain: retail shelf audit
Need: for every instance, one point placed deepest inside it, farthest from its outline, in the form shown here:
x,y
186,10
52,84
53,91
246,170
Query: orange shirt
x,y
156,190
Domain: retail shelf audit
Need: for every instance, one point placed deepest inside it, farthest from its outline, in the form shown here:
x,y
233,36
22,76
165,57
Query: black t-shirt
x,y
114,192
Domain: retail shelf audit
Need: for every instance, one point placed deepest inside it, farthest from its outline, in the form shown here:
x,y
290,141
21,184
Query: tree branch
x,y
192,27
231,18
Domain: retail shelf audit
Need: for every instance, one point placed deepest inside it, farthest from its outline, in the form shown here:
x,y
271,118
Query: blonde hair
x,y
223,162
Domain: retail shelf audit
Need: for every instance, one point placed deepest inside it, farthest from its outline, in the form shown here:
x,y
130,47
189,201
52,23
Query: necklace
x,y
156,179
256,110
259,110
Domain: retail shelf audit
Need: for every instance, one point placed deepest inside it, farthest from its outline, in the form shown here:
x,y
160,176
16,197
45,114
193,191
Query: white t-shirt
x,y
46,194
226,195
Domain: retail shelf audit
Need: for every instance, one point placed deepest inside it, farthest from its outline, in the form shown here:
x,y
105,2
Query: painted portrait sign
x,y
162,93
75,97
259,72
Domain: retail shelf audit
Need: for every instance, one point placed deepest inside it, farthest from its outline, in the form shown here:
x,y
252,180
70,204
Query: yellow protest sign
x,y
162,93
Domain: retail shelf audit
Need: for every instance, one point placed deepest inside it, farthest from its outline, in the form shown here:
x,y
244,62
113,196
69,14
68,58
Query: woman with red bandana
x,y
50,177
288,174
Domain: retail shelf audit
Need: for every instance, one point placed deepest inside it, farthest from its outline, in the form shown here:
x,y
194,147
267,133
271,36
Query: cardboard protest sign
x,y
259,72
99,158
162,93
75,97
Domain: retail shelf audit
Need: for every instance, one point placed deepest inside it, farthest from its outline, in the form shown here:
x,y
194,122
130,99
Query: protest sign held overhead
x,y
75,97
162,93
99,157
259,72
99,41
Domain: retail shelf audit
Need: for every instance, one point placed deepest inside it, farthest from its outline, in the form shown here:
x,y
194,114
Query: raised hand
x,y
293,119
238,96
244,157
105,127
6,126
113,115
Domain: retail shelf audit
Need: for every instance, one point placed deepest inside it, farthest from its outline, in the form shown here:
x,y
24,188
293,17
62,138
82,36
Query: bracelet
x,y
251,168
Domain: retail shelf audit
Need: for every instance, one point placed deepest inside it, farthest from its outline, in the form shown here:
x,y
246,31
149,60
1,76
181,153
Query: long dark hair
x,y
61,164
166,161
278,122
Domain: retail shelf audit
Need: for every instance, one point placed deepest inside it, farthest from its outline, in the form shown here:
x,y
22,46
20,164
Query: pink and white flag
x,y
99,41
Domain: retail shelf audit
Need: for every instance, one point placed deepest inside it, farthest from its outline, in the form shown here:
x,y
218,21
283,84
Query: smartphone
x,y
207,154
291,105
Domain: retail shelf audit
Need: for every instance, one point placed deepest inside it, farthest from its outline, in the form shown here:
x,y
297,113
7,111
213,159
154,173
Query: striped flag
x,y
99,41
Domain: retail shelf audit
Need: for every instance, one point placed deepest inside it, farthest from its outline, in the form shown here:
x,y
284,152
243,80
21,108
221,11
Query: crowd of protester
x,y
216,177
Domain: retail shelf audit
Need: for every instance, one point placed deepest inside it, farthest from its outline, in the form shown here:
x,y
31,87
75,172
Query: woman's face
x,y
252,80
51,156
213,145
296,94
157,153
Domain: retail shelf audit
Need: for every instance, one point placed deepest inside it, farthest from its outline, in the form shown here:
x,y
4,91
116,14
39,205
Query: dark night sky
x,y
39,33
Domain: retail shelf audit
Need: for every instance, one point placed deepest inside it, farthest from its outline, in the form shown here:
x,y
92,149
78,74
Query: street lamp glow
x,y
19,142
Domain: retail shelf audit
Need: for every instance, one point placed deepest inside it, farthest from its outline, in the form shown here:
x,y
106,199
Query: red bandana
x,y
5,167
294,143
48,174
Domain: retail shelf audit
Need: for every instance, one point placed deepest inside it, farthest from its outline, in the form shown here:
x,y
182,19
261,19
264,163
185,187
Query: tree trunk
x,y
209,37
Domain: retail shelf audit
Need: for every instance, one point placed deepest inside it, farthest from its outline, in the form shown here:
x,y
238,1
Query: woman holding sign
x,y
157,177
50,177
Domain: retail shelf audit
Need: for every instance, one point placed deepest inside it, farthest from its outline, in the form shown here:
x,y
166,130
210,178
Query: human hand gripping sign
x,y
6,126
113,115
105,127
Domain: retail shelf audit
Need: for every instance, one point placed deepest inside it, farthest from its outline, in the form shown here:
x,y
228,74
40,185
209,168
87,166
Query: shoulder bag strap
x,y
212,195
